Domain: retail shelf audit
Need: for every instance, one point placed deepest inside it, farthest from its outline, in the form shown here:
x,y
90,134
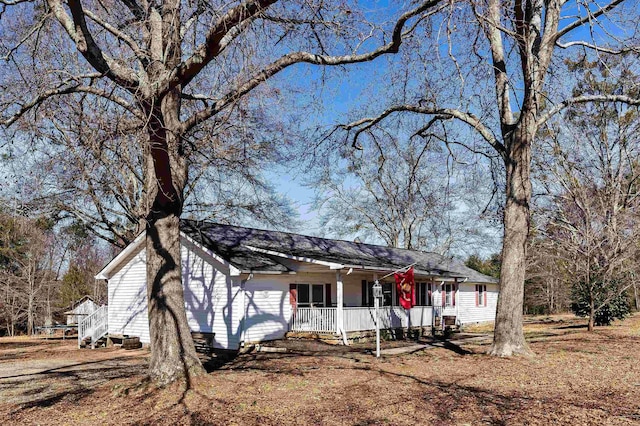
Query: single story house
x,y
249,285
80,309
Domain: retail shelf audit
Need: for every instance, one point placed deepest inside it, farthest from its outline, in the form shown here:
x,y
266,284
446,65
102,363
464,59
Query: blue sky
x,y
344,97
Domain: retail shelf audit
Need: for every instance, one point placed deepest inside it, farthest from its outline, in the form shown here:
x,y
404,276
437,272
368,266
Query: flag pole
x,y
377,298
398,270
377,307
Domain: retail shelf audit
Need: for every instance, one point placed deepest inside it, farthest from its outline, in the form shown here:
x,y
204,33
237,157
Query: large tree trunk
x,y
508,334
173,355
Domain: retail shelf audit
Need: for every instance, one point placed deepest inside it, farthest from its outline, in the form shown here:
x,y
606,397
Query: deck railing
x,y
360,318
94,325
314,319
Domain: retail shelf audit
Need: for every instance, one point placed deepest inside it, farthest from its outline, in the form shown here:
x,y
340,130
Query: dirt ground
x,y
575,378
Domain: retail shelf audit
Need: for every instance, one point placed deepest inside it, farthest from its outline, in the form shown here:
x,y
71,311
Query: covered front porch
x,y
325,320
313,310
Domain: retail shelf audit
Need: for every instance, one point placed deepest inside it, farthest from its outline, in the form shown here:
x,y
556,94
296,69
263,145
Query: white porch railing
x,y
314,319
360,318
94,325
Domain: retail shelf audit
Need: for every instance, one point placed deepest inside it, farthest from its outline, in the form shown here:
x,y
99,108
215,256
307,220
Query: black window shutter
x,y
327,295
364,293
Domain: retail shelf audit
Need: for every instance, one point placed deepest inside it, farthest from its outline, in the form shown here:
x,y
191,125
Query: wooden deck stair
x,y
93,328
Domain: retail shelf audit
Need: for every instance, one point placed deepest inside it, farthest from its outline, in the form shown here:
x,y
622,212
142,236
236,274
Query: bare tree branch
x,y
26,107
590,16
77,29
468,118
213,43
305,57
597,48
140,54
587,99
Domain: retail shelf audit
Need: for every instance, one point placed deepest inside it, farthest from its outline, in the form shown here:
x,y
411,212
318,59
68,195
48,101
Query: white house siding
x,y
352,288
212,297
128,299
468,312
436,299
207,292
267,307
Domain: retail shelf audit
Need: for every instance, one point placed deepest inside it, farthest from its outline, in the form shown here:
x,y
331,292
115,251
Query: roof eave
x,y
234,271
266,272
105,273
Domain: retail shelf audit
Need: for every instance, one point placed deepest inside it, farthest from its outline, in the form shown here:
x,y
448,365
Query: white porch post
x,y
339,303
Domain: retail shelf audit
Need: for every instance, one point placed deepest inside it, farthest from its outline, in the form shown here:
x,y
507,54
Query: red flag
x,y
406,286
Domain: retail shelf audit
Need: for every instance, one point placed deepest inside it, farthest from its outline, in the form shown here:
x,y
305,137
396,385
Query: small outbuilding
x,y
80,309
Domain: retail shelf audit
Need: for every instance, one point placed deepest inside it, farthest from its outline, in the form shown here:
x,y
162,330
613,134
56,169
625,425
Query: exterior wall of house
x,y
268,305
465,308
82,311
352,288
453,309
468,312
127,293
211,298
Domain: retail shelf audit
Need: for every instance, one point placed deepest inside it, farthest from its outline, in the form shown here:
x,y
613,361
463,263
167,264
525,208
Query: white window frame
x,y
482,295
449,294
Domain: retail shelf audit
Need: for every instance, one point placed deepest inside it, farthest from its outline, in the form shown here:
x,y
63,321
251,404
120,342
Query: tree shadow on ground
x,y
251,359
571,327
218,359
68,382
444,399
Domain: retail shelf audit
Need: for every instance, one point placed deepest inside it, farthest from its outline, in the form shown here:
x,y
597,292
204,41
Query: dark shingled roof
x,y
231,243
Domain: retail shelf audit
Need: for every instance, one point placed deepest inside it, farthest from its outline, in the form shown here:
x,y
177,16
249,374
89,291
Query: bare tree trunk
x,y
508,334
173,354
30,315
31,296
592,310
